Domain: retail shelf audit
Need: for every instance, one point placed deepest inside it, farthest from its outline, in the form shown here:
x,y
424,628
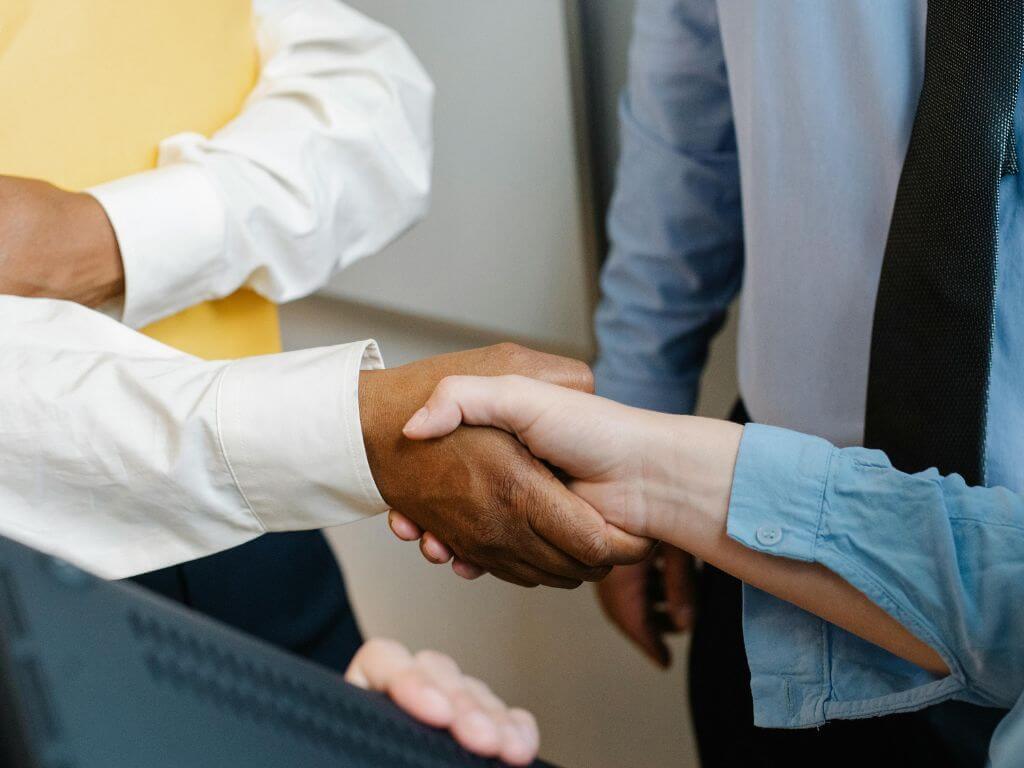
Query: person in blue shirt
x,y
853,166
763,146
869,590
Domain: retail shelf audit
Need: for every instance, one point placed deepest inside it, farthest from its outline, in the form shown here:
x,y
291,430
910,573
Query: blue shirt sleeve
x,y
944,559
1008,740
675,225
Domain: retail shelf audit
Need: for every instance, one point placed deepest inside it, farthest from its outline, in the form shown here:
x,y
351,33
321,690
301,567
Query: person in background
x,y
916,573
792,148
184,166
784,149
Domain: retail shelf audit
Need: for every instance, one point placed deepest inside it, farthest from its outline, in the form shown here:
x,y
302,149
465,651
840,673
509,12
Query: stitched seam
x,y
905,617
900,701
986,523
822,502
223,450
826,667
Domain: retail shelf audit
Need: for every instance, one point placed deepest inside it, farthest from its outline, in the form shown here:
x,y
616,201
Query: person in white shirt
x,y
125,455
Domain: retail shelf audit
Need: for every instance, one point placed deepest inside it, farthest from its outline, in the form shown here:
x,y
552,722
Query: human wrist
x,y
374,423
387,399
94,252
691,481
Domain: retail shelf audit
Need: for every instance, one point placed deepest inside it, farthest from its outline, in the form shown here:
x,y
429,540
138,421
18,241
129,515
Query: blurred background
x,y
526,145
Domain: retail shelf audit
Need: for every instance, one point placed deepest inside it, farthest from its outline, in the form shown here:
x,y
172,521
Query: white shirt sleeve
x,y
328,161
124,455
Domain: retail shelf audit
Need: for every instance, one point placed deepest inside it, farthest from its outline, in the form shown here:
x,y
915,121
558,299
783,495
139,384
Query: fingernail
x,y
417,420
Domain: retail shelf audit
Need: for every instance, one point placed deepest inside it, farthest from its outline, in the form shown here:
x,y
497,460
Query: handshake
x,y
500,494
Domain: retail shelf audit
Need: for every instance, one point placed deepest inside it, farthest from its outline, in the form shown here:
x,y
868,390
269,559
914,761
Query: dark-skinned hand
x,y
479,490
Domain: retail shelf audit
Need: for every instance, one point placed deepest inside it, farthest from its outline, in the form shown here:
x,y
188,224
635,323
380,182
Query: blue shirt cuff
x,y
777,491
805,671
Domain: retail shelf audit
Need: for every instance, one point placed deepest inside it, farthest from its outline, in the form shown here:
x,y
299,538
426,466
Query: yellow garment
x,y
88,89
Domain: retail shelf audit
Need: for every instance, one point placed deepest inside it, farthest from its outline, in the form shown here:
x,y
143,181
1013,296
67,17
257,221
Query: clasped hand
x,y
624,463
494,504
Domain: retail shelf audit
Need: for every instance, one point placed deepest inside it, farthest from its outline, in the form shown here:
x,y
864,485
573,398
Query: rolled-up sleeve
x,y
944,559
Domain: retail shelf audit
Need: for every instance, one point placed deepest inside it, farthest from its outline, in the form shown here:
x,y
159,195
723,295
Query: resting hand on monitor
x,y
653,475
431,688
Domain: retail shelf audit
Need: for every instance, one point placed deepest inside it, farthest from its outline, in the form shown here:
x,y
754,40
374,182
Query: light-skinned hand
x,y
430,687
661,476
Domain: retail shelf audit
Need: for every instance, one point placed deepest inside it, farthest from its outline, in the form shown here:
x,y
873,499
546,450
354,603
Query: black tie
x,y
931,347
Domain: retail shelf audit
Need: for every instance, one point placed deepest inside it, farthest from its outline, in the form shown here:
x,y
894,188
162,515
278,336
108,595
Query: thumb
x,y
510,403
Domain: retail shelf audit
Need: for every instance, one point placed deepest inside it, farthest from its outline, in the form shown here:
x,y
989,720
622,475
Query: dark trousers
x,y
952,734
285,588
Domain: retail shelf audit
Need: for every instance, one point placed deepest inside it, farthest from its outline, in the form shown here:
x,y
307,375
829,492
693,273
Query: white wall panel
x,y
504,248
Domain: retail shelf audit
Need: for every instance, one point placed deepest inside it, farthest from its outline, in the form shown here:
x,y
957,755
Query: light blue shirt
x,y
762,145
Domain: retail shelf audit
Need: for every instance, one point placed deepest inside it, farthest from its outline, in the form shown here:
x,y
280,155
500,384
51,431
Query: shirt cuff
x,y
170,225
777,491
803,670
291,435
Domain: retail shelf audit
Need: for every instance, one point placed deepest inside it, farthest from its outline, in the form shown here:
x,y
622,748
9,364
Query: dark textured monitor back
x,y
102,675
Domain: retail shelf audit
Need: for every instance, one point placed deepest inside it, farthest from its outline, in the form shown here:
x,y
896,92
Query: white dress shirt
x,y
124,455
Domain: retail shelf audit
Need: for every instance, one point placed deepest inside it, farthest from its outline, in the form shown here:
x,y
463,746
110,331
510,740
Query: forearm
x,y
124,455
693,515
674,225
328,161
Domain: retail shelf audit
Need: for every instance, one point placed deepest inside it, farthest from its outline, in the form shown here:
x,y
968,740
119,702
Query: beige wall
x,y
599,703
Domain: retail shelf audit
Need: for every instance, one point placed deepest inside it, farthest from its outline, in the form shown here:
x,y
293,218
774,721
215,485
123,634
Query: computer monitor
x,y
96,674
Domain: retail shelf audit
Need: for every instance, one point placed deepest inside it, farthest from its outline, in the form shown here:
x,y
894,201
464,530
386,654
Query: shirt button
x,y
769,535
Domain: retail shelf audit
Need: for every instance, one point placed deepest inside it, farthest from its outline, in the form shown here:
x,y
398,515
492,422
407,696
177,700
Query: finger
x,y
526,724
535,574
624,599
376,664
415,692
574,527
442,669
542,555
512,744
679,587
403,527
435,551
505,575
473,727
563,371
467,570
426,687
507,402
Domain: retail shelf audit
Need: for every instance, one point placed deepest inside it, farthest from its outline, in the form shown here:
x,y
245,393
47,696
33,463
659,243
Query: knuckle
x,y
581,377
490,539
446,387
380,646
513,354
